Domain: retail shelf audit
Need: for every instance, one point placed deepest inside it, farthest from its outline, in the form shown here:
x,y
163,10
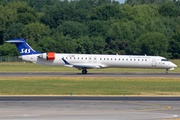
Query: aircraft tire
x,y
84,71
166,71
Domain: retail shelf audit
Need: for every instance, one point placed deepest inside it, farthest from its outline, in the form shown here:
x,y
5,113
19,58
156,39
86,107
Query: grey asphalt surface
x,y
90,75
88,108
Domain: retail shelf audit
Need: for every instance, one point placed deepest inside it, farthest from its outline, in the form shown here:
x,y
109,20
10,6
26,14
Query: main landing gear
x,y
166,71
84,71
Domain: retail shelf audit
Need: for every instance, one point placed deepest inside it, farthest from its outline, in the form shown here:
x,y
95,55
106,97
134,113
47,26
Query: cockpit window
x,y
164,60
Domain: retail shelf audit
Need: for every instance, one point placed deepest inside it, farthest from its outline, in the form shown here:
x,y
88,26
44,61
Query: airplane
x,y
91,61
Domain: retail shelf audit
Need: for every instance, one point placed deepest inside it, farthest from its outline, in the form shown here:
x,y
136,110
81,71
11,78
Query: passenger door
x,y
154,63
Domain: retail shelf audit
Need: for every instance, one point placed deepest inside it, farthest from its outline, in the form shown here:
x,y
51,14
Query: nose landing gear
x,y
84,71
166,71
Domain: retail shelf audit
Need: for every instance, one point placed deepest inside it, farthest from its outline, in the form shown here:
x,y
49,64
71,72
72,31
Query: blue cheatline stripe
x,y
66,62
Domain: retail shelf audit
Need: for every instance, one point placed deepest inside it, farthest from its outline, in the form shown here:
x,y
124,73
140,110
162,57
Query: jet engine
x,y
48,56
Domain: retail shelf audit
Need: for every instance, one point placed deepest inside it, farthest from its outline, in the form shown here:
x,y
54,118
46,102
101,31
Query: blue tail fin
x,y
23,47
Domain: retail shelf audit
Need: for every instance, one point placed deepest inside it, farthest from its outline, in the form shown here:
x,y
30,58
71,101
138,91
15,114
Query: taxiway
x,y
92,107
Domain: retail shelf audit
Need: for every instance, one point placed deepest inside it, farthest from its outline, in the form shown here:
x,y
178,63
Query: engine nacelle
x,y
48,56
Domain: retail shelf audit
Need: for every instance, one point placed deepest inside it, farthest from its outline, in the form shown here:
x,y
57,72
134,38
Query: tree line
x,y
137,27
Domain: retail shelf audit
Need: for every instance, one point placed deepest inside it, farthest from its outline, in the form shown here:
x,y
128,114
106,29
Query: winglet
x,y
66,62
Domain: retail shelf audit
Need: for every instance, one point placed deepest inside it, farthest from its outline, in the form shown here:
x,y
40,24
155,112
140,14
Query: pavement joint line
x,y
89,96
165,107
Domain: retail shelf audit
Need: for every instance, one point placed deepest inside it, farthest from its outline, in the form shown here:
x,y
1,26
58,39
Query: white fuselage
x,y
104,61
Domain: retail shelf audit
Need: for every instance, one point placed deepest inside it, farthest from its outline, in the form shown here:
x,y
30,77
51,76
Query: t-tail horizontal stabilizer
x,y
23,47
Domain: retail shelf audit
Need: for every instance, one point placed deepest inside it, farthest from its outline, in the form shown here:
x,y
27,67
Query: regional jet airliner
x,y
91,61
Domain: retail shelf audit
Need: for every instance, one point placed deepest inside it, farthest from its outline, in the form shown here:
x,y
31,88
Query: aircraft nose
x,y
173,65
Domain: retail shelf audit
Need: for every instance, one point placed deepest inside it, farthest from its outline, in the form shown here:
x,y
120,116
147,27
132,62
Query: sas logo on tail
x,y
25,50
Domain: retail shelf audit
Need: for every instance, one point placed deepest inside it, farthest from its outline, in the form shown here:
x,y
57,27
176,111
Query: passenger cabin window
x,y
138,59
107,58
134,59
119,59
82,58
100,58
66,57
123,59
111,59
104,58
145,59
142,60
78,57
115,59
94,58
130,59
70,57
86,58
74,58
126,59
89,58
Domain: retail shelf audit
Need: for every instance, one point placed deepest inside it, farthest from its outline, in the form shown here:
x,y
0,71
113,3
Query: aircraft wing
x,y
79,66
86,66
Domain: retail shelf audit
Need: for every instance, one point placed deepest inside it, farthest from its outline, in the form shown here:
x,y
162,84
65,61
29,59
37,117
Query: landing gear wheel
x,y
84,71
166,71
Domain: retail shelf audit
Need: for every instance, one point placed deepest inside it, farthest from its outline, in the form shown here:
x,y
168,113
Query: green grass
x,y
31,67
88,86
